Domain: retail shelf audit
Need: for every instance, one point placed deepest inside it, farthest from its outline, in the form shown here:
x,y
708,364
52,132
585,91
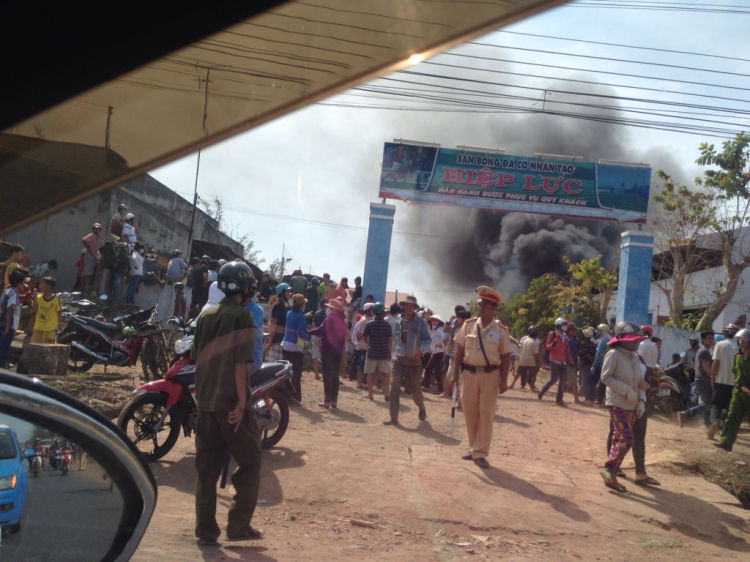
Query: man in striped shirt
x,y
379,339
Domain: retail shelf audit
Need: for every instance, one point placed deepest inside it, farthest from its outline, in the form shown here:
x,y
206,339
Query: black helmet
x,y
732,329
176,253
179,286
315,281
233,276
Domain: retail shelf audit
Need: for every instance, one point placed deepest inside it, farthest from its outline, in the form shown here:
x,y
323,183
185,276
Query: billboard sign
x,y
430,174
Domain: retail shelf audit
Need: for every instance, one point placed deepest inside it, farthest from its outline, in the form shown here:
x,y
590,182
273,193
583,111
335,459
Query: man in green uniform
x,y
222,351
739,407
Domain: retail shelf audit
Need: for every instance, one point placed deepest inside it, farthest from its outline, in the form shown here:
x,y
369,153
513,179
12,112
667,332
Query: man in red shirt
x,y
559,359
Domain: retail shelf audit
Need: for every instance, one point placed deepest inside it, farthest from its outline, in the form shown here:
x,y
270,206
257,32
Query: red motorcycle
x,y
152,420
92,341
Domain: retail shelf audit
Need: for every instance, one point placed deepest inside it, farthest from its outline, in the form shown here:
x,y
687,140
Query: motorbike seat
x,y
105,327
267,371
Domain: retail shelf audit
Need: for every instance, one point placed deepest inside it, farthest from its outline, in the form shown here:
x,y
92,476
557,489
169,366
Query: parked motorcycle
x,y
152,420
669,394
119,343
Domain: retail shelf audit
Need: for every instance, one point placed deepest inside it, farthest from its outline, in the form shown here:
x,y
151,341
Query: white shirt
x,y
439,339
724,352
649,352
215,296
392,319
136,263
128,234
359,327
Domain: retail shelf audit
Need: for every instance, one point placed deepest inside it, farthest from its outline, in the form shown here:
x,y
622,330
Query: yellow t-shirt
x,y
46,313
9,268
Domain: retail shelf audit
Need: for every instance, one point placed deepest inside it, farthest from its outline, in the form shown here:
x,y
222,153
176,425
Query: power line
x,y
594,57
656,49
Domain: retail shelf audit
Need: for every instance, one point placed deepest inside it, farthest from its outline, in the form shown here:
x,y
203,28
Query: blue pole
x,y
378,250
634,287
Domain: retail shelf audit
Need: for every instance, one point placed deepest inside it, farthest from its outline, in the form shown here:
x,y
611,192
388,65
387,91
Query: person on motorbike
x,y
277,326
223,351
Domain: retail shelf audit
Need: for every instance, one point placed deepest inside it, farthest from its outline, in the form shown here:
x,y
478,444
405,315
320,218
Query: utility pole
x,y
283,262
197,169
110,109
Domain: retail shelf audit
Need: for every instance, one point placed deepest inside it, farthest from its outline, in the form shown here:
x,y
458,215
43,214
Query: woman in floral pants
x,y
621,373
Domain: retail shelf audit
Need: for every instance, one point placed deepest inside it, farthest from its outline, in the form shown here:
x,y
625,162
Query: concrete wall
x,y
162,215
673,341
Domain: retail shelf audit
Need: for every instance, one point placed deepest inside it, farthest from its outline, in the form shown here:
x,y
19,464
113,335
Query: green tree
x,y
589,290
680,225
729,187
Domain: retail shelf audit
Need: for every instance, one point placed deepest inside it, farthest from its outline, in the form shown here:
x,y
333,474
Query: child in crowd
x,y
17,254
10,309
46,314
180,302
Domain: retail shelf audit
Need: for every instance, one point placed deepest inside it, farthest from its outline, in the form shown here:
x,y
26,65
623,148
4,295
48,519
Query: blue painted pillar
x,y
378,251
634,286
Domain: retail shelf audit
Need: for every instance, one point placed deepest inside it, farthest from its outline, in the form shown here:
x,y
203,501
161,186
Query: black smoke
x,y
509,249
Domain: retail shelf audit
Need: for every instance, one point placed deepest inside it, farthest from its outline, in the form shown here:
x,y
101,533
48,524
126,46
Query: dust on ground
x,y
411,496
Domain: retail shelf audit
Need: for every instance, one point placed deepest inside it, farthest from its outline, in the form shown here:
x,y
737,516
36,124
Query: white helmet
x,y
603,328
367,306
129,216
744,334
560,321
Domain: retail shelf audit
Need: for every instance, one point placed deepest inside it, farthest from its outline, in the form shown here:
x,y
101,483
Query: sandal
x,y
248,534
648,481
612,483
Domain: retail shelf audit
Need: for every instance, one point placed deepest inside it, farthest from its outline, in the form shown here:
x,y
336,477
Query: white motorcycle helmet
x,y
560,321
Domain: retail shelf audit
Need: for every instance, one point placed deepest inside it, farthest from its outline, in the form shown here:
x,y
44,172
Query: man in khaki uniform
x,y
484,375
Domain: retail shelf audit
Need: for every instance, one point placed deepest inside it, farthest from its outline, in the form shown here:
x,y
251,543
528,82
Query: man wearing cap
x,y
91,243
118,220
413,340
295,335
176,269
482,360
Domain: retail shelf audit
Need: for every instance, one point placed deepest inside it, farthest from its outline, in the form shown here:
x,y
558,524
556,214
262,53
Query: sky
x,y
321,164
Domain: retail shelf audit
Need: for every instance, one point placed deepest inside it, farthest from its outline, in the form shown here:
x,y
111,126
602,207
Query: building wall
x,y
699,291
162,215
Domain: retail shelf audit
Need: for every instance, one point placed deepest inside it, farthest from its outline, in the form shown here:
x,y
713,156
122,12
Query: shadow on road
x,y
501,479
501,419
695,518
254,552
425,430
181,474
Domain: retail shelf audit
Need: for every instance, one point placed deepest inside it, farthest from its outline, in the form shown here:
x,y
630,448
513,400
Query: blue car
x,y
13,480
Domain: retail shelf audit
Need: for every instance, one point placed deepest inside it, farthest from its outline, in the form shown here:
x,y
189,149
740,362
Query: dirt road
x,y
542,499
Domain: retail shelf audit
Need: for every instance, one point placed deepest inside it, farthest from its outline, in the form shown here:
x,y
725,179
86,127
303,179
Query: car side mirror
x,y
91,499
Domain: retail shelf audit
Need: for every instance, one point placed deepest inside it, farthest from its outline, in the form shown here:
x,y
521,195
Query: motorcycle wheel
x,y
76,362
280,409
139,417
154,361
65,470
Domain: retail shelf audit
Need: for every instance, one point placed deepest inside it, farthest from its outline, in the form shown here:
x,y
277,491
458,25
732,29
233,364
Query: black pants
x,y
434,368
639,442
296,358
720,401
331,366
528,376
213,435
